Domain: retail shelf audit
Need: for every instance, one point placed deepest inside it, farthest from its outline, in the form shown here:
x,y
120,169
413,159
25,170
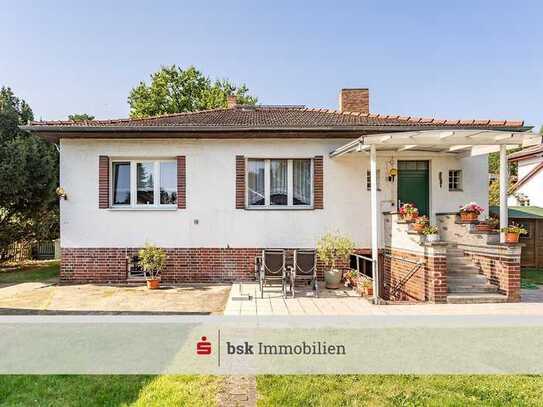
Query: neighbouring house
x,y
215,187
527,190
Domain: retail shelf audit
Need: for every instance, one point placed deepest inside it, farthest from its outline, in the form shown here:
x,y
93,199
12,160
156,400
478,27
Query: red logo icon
x,y
203,347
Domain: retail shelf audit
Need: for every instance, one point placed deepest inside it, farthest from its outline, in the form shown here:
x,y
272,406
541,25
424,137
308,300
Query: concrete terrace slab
x,y
50,299
346,302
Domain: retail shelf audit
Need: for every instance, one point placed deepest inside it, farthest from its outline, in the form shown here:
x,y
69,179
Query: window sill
x,y
279,208
119,209
456,190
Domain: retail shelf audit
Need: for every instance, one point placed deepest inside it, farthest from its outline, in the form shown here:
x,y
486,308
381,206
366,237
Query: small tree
x,y
332,248
80,117
152,260
175,90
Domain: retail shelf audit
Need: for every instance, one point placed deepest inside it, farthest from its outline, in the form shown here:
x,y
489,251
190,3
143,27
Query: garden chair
x,y
272,270
304,269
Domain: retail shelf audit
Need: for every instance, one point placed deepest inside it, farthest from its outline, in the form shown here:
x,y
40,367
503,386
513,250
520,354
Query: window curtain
x,y
256,191
302,182
278,182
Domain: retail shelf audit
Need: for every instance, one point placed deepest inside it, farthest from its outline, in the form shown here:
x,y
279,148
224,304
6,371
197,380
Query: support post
x,y
504,184
374,223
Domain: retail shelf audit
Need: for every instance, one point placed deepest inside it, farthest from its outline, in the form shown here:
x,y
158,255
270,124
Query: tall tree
x,y
28,177
176,90
80,117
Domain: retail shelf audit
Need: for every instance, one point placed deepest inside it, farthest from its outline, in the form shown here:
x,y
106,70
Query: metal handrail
x,y
417,265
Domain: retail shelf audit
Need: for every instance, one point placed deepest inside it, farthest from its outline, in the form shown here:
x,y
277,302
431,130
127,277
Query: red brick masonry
x,y
428,283
501,268
183,265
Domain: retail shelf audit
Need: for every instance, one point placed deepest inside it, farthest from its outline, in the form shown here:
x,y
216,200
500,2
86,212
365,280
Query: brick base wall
x,y
183,265
502,270
428,283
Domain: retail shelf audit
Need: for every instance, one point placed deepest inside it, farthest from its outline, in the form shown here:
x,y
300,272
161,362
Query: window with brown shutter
x,y
103,182
240,182
181,182
318,184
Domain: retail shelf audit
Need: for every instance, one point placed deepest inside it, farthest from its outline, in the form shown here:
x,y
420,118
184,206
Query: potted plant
x,y
152,261
420,223
513,232
367,286
488,225
332,248
351,278
408,212
470,212
431,232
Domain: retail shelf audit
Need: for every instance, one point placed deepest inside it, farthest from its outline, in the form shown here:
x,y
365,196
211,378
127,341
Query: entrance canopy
x,y
458,142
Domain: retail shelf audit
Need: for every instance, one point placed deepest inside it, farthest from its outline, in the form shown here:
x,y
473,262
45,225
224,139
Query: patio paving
x,y
52,299
346,302
44,298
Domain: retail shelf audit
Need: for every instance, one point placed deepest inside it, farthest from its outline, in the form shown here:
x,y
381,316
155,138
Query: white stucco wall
x,y
211,195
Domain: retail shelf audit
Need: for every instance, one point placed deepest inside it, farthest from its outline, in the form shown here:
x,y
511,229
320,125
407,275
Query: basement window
x,y
455,180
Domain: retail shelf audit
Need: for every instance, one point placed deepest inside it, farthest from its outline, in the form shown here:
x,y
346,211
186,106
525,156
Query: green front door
x,y
413,184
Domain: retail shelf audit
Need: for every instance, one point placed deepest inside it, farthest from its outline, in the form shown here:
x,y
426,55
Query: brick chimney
x,y
354,100
231,101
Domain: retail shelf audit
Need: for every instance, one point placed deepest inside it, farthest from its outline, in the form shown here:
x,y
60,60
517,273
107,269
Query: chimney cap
x,y
231,101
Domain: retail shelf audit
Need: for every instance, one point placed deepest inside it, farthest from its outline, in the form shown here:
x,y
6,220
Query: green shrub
x,y
152,260
332,248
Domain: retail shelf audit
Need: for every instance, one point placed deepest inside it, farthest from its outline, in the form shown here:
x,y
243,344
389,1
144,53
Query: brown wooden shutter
x,y
103,182
318,183
240,182
181,182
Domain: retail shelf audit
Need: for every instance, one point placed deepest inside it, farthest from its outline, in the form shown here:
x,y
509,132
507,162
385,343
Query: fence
x,y
19,251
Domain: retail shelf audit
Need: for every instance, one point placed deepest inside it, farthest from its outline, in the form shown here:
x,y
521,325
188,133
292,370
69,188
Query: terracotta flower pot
x,y
409,217
511,237
369,291
418,227
483,227
469,216
153,284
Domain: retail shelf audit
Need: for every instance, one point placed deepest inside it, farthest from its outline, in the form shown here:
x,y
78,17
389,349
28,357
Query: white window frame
x,y
133,184
460,180
290,184
368,180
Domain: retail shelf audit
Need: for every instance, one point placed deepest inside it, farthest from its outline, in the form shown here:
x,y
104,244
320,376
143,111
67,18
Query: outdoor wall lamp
x,y
61,193
392,174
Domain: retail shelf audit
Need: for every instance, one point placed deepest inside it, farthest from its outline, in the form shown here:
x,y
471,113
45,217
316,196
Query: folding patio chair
x,y
272,270
305,269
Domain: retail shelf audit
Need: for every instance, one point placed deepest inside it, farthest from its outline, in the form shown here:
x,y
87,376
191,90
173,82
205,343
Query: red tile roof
x,y
527,153
274,117
533,172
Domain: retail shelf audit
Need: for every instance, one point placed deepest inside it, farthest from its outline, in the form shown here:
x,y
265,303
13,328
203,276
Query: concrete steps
x,y
475,298
465,284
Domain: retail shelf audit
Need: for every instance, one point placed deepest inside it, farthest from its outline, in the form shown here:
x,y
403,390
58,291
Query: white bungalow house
x,y
216,187
527,191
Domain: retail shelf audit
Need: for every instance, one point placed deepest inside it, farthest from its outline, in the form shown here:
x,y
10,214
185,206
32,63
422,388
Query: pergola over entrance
x,y
461,142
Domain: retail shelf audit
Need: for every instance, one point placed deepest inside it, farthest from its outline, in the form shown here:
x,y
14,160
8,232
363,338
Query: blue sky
x,y
461,59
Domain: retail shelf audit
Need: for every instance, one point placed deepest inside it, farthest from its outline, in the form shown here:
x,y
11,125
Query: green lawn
x,y
37,271
400,390
355,390
87,391
531,277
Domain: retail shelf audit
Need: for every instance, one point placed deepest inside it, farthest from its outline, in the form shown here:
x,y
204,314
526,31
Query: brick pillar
x,y
436,273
